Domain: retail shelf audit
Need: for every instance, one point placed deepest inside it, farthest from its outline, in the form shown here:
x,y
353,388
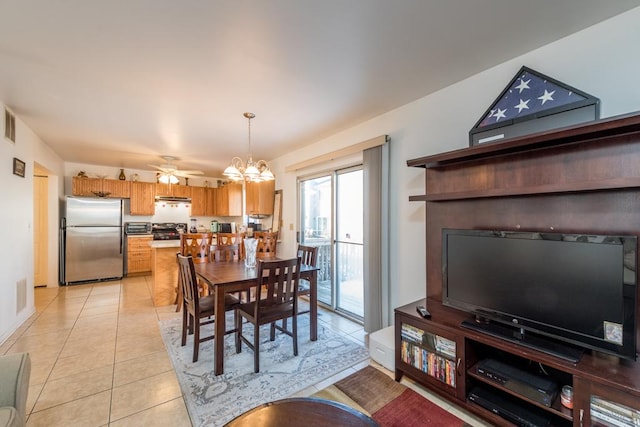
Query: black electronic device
x,y
539,389
542,288
423,311
509,408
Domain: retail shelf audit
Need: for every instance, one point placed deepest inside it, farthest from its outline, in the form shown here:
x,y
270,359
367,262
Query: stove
x,y
168,230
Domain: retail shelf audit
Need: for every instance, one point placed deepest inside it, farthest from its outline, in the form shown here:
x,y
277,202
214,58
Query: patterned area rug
x,y
214,400
389,403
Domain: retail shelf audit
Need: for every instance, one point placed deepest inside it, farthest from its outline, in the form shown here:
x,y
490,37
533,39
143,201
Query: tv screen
x,y
577,288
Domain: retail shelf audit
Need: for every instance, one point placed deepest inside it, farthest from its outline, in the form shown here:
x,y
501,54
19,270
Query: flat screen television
x,y
560,293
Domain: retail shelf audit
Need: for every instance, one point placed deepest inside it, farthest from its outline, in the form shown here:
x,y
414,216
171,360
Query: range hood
x,y
173,199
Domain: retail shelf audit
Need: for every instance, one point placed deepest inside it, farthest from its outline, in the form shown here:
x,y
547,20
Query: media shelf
x,y
607,378
533,385
429,353
531,340
578,179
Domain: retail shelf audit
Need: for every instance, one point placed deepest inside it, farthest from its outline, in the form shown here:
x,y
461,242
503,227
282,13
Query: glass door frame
x,y
332,176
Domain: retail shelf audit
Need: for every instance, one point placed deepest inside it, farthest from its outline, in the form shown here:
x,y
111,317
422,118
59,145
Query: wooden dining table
x,y
231,277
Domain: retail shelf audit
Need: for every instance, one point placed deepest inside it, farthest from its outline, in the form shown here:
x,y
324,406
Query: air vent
x,y
9,125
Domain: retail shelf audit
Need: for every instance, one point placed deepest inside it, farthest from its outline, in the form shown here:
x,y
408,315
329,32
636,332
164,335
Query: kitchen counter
x,y
165,244
165,271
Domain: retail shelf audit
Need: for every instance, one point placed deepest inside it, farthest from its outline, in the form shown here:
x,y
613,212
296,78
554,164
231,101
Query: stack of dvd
x,y
613,414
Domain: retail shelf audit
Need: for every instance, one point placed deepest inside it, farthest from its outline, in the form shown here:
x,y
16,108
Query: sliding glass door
x,y
331,218
349,242
316,213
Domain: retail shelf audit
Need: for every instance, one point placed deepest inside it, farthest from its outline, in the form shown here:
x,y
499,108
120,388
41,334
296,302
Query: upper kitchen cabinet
x,y
173,190
143,198
260,198
198,201
117,188
229,200
96,186
203,201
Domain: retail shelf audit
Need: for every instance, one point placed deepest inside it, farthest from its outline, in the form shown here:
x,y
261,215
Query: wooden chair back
x,y
197,245
279,296
225,252
187,278
308,255
267,244
229,239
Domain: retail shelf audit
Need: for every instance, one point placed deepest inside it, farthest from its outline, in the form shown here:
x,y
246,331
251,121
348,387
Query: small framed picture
x,y
18,167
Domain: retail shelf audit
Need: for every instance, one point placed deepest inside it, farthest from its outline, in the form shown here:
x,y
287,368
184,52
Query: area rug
x,y
389,403
214,400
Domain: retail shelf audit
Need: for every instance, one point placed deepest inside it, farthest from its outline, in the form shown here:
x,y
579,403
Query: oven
x,y
137,228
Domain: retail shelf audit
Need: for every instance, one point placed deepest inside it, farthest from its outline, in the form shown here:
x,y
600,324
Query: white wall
x,y
16,214
601,60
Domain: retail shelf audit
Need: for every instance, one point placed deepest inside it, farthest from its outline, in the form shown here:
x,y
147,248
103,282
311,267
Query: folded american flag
x,y
529,94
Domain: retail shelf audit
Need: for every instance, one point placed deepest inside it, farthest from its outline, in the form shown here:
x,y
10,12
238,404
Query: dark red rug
x,y
390,403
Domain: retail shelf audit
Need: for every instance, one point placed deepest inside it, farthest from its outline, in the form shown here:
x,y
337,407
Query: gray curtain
x,y
376,232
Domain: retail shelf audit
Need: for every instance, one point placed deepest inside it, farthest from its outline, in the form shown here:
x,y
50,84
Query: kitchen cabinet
x,y
173,190
260,198
93,186
229,200
203,201
142,198
211,200
198,201
138,254
117,188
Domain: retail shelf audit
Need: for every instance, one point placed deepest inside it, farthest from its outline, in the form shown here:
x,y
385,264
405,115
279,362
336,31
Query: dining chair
x,y
220,252
308,256
197,245
197,308
229,253
267,244
278,301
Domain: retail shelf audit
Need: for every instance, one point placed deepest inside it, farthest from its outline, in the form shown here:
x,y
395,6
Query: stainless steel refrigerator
x,y
91,240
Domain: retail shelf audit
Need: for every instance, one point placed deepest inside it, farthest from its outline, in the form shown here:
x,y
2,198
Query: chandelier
x,y
252,171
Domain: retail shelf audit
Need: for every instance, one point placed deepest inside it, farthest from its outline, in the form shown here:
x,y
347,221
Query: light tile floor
x,y
98,358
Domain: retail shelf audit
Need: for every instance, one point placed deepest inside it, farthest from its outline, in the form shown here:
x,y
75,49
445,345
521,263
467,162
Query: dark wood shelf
x,y
605,128
583,178
556,407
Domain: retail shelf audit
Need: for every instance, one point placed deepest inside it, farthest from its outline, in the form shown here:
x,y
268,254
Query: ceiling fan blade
x,y
187,173
162,168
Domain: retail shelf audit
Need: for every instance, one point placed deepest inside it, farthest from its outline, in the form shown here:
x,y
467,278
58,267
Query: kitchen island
x,y
165,271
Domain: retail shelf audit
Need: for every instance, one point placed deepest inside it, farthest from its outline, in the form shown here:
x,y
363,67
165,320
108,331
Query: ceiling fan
x,y
169,172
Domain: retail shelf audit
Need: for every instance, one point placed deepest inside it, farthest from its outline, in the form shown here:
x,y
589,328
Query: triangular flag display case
x,y
533,102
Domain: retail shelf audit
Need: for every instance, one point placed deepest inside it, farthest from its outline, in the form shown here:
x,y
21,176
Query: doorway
x,y
40,226
331,218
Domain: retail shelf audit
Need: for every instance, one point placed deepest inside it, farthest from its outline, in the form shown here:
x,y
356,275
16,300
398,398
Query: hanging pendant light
x,y
253,171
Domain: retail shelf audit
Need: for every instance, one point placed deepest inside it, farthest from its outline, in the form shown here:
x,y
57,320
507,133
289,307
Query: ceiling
x,y
123,82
